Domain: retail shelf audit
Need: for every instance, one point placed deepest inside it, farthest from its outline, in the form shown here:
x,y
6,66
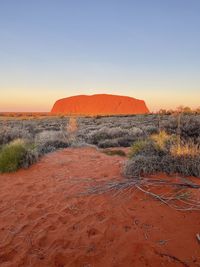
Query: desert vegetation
x,y
180,109
163,153
159,143
17,154
61,197
23,142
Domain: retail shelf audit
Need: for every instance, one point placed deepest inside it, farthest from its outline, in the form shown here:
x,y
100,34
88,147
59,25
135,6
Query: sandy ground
x,y
45,221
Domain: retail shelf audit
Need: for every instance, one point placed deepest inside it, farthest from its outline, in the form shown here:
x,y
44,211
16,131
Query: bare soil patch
x,y
45,220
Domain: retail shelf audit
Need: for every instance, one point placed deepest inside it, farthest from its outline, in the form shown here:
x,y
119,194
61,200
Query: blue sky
x,y
50,49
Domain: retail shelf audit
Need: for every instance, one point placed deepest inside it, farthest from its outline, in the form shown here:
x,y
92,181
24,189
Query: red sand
x,y
44,223
102,104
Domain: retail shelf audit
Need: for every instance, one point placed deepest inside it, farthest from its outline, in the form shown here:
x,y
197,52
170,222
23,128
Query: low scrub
x,y
116,152
108,143
161,139
188,126
145,148
49,141
144,165
116,136
15,155
185,149
48,136
141,165
50,146
137,147
161,153
8,134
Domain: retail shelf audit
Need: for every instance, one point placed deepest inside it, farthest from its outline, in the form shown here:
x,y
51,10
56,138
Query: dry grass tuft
x,y
185,149
161,139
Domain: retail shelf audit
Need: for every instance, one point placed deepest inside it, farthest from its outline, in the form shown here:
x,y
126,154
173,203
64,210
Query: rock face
x,y
101,104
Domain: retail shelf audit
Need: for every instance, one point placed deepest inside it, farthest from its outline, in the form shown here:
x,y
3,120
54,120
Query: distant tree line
x,y
180,109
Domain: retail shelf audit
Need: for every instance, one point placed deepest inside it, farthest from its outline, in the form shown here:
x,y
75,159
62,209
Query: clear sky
x,y
147,49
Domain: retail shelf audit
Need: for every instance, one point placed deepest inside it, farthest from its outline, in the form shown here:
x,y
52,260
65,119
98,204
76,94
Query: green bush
x,y
155,145
137,147
15,155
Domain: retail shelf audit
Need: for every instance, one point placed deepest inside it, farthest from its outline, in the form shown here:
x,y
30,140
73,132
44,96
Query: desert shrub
x,y
49,141
11,155
48,136
121,137
105,133
15,155
161,139
8,134
150,129
30,157
170,125
186,165
126,141
108,143
189,126
96,136
117,152
145,147
156,144
147,157
143,165
135,131
184,148
137,147
50,146
80,143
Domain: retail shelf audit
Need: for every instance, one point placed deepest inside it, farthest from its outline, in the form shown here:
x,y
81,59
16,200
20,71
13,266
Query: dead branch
x,y
175,200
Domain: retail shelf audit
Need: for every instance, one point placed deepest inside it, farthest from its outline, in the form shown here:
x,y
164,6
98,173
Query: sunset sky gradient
x,y
50,49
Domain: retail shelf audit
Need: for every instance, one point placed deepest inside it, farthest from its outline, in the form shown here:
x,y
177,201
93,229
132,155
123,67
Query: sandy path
x,y
43,221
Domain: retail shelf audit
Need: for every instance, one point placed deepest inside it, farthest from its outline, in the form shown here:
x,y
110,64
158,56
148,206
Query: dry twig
x,y
179,200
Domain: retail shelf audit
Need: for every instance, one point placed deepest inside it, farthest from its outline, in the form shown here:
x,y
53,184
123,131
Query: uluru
x,y
99,104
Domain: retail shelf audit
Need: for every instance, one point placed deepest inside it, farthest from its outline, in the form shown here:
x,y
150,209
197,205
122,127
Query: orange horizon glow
x,y
30,102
